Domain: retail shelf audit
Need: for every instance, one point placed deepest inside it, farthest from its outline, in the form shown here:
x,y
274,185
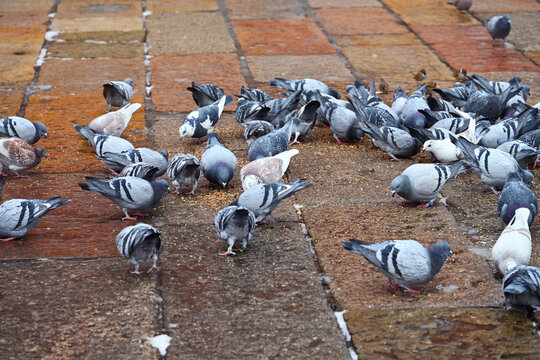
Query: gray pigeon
x,y
235,224
410,114
514,195
304,85
118,93
510,129
489,105
255,129
400,98
248,110
205,94
423,182
199,123
104,143
405,261
139,243
307,117
492,165
396,142
453,124
375,115
117,162
499,27
262,199
493,87
522,152
131,193
19,216
141,170
18,155
257,95
15,126
272,143
521,289
184,170
217,162
457,95
280,108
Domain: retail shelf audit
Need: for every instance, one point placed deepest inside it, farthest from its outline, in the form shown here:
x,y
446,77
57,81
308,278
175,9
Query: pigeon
x,y
248,111
396,142
522,152
489,105
453,124
492,165
531,138
255,129
15,126
307,117
205,94
139,243
304,85
499,27
493,87
18,155
514,195
235,224
19,216
513,247
375,115
280,108
262,199
423,182
266,170
217,162
406,262
400,98
199,123
118,93
410,114
343,122
463,5
272,143
104,143
141,170
184,170
118,161
257,95
521,289
115,122
510,129
131,193
457,95
443,150
437,104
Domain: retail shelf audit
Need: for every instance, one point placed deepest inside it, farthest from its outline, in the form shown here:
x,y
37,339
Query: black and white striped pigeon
x,y
396,142
514,195
18,155
304,85
423,182
115,122
280,108
248,110
406,262
499,27
103,143
272,143
235,224
141,170
262,199
118,93
15,126
457,95
131,193
184,170
218,163
510,129
522,152
255,129
19,216
118,161
257,95
199,123
205,94
521,289
139,243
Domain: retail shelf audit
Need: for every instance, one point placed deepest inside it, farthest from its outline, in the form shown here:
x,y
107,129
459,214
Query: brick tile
x,y
23,18
505,6
91,50
534,56
11,95
262,9
92,23
429,12
281,37
185,6
524,35
374,40
188,33
26,5
471,47
343,3
367,20
171,75
98,8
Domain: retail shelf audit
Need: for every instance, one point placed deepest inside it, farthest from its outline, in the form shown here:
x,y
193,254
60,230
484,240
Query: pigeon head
x,y
399,92
401,185
165,154
438,254
521,218
160,187
129,81
186,130
213,139
41,129
514,176
528,177
41,152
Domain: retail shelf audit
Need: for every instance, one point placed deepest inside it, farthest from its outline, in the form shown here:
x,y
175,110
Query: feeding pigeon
x,y
513,247
405,261
443,150
139,243
205,94
131,193
19,216
255,129
235,224
423,182
410,114
248,111
104,143
521,288
280,108
522,152
400,98
510,129
117,162
396,142
304,85
262,199
115,122
218,163
266,170
457,95
370,101
184,170
15,126
272,143
257,95
489,105
437,104
515,194
453,124
493,87
199,123
492,165
118,93
141,170
306,116
499,27
18,155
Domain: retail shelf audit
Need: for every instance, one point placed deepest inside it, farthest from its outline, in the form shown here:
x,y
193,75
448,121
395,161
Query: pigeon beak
x,y
45,135
393,193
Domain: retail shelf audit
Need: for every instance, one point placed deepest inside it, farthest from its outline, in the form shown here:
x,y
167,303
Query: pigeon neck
x,y
438,256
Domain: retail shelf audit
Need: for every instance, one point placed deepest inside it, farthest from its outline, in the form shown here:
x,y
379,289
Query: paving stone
x,y
172,33
11,96
533,56
505,6
523,34
443,333
26,5
103,36
171,75
267,37
429,12
260,9
478,55
186,6
76,309
90,50
90,24
377,40
23,18
98,8
343,3
367,20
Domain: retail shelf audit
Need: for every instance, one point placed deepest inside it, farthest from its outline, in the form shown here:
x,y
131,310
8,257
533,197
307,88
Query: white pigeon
x,y
443,150
266,170
513,247
115,122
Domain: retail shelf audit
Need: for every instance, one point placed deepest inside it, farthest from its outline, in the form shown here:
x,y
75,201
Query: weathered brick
x,y
429,12
355,21
261,9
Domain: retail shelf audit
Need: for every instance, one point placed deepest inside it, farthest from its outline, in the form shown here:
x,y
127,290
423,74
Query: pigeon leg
x,y
392,157
136,271
7,239
426,205
339,141
391,284
228,252
294,142
408,289
495,191
127,217
154,267
17,175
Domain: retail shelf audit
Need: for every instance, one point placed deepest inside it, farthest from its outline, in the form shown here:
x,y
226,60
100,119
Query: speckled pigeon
x,y
184,170
255,129
218,163
199,123
115,122
205,94
514,195
15,126
18,155
248,111
513,247
139,243
235,224
118,93
521,289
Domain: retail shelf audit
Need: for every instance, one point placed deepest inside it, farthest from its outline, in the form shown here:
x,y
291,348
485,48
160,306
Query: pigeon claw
x,y
408,289
228,252
135,272
154,267
7,239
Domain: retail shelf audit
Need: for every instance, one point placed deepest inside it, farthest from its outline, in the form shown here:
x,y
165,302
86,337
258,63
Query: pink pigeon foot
x,y
495,191
294,142
154,267
17,175
426,205
408,289
390,284
228,252
7,239
135,272
3,174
